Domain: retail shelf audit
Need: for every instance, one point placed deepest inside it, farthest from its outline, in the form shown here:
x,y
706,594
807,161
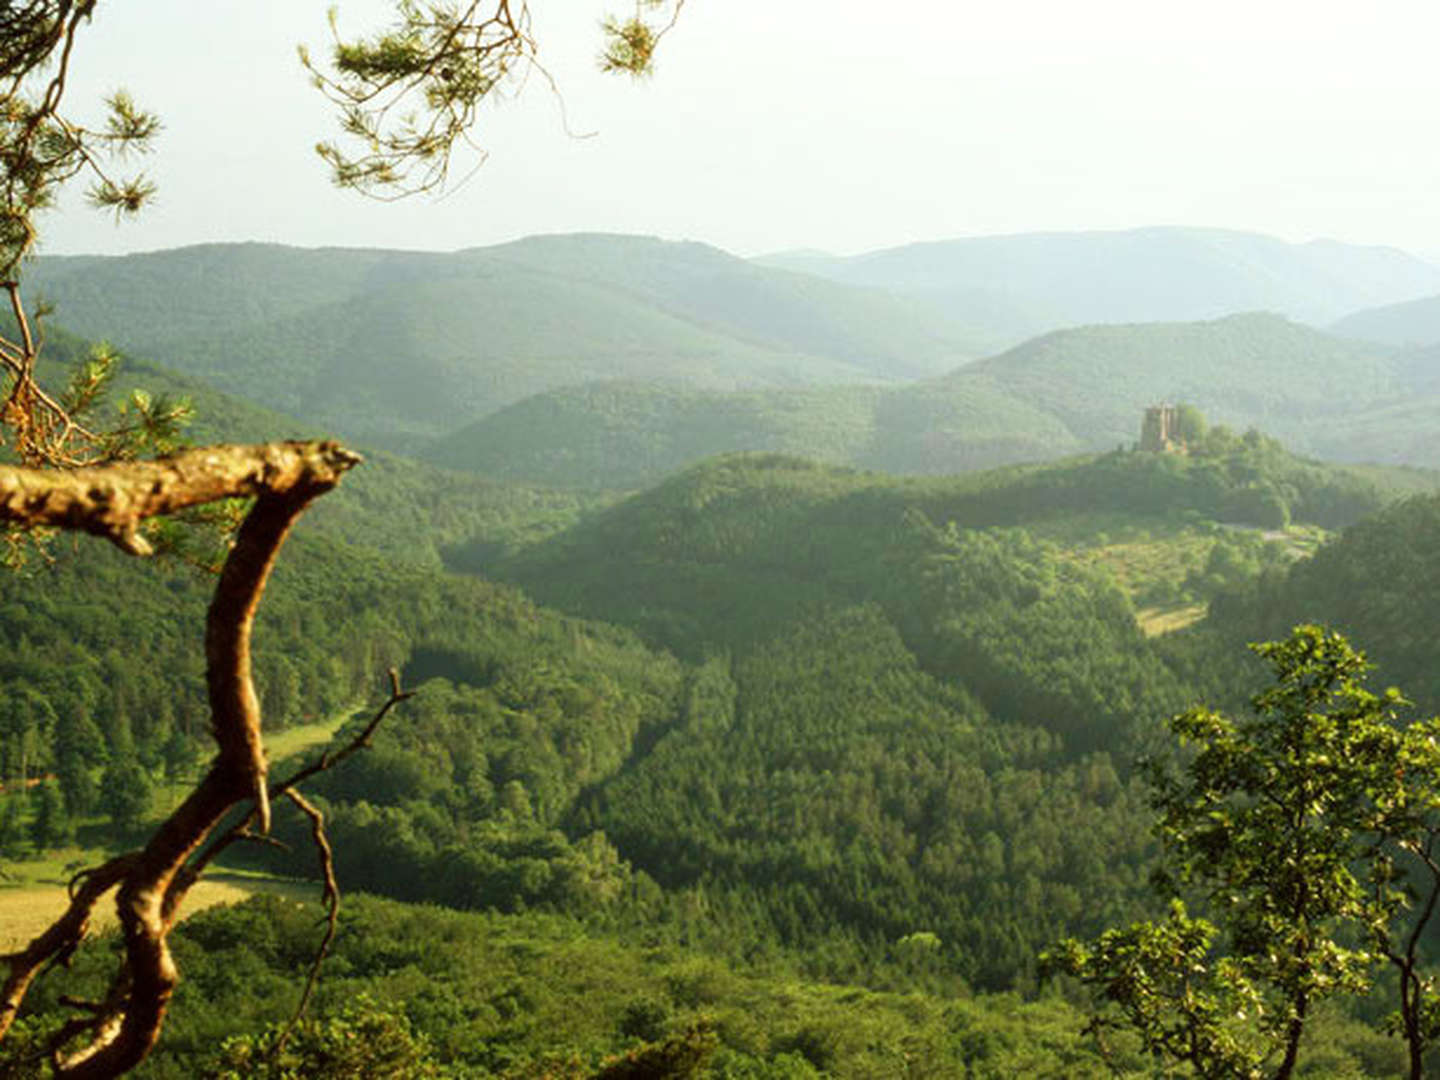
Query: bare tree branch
x,y
330,897
111,501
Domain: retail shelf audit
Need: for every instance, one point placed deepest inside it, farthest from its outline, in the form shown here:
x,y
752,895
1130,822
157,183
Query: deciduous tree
x,y
1307,831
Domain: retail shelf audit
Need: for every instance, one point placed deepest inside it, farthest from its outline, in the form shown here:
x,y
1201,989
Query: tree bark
x,y
112,501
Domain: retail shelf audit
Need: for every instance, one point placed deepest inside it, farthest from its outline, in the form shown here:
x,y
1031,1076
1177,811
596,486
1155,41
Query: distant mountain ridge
x,y
1025,284
595,360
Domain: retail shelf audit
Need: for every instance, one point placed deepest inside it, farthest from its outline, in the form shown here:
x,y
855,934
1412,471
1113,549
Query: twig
x,y
360,742
330,897
241,829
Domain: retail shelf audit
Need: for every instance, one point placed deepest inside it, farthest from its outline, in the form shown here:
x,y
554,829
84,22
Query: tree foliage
x,y
1305,830
409,95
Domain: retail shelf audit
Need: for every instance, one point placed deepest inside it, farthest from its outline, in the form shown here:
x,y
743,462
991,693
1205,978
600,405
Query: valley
x,y
784,653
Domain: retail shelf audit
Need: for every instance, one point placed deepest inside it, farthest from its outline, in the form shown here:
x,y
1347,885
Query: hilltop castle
x,y
1160,431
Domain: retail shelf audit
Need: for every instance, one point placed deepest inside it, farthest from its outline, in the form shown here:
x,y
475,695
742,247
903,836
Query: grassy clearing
x,y
1139,565
1155,621
295,740
279,746
27,910
33,890
1169,569
53,868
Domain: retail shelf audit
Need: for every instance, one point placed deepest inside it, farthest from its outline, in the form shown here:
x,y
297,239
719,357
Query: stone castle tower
x,y
1160,432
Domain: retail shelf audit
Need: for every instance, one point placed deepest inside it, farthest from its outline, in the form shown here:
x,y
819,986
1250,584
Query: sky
x,y
772,125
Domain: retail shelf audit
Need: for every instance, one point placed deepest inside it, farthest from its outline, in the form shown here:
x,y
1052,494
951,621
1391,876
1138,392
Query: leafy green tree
x,y
79,746
1190,424
13,836
125,792
1295,826
52,826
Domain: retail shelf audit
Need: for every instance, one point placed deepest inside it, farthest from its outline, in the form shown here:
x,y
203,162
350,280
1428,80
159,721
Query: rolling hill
x,y
627,434
1063,393
387,346
598,361
1245,370
724,552
1411,323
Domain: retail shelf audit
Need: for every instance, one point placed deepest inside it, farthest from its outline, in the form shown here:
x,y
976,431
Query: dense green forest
x,y
428,992
1376,582
783,768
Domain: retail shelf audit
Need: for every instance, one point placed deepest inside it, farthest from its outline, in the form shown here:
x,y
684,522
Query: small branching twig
x,y
360,742
330,897
243,829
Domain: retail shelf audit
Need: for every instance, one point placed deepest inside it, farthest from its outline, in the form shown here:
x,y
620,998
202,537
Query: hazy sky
x,y
835,124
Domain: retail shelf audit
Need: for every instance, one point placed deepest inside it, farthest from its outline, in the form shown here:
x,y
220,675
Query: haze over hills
x,y
627,434
1064,393
602,361
1245,370
1410,323
383,346
1021,285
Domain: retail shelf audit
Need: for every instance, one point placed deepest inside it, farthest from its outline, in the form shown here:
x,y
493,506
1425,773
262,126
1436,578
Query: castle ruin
x,y
1160,431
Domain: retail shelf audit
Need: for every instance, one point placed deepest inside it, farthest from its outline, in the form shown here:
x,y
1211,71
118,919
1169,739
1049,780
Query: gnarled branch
x,y
65,933
112,501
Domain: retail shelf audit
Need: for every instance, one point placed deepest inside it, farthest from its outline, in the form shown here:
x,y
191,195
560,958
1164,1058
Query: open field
x,y
279,746
28,909
294,740
1155,621
32,891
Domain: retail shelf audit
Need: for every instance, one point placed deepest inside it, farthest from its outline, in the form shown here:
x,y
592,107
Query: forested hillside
x,y
1067,392
837,726
1244,370
1411,323
833,529
383,346
1379,583
876,774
